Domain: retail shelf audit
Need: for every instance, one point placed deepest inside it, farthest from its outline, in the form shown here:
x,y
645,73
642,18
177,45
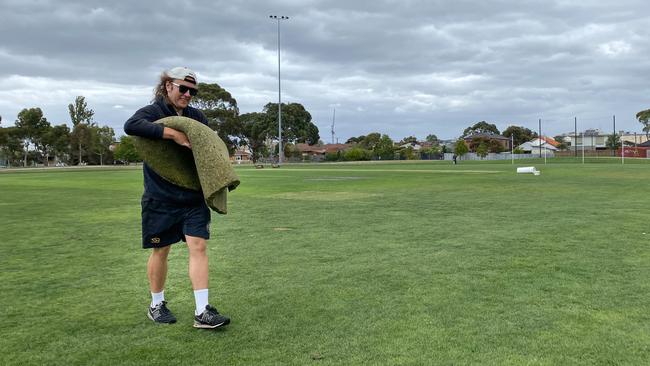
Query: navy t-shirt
x,y
141,124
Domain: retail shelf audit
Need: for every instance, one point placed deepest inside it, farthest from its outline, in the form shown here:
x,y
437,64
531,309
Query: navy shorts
x,y
164,223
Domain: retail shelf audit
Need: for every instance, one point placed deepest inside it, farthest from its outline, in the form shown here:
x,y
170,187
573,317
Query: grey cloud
x,y
403,68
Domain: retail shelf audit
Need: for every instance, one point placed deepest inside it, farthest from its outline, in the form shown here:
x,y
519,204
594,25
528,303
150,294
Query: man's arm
x,y
178,137
141,124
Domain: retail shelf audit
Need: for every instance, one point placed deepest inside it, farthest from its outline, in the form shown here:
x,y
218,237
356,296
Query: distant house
x,y
533,147
633,138
416,146
545,139
318,152
312,152
591,139
242,155
595,139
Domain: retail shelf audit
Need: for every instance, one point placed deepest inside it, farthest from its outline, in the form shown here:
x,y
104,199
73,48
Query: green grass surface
x,y
420,263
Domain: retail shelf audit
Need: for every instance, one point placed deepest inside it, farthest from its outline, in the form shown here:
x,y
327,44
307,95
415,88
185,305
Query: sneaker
x,y
160,314
210,319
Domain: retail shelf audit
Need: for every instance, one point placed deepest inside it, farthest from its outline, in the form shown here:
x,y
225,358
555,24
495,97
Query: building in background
x,y
595,139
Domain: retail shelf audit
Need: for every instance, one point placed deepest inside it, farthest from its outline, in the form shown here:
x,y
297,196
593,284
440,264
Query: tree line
x,y
34,140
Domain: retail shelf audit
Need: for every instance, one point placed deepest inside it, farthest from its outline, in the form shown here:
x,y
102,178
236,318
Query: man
x,y
171,213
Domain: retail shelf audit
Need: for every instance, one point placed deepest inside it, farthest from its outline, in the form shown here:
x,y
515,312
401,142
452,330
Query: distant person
x,y
454,157
171,213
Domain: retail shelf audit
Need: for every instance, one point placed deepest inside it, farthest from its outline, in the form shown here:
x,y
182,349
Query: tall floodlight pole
x,y
280,152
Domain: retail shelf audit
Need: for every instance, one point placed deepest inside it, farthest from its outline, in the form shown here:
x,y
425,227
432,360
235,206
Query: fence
x,y
590,153
498,156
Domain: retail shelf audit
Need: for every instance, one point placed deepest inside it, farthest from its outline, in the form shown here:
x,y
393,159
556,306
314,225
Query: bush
x,y
357,154
409,154
333,156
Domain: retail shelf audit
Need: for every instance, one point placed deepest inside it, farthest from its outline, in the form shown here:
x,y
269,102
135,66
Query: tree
x,y
355,140
258,128
613,142
433,152
11,145
126,151
432,139
367,142
644,118
43,145
296,123
562,143
79,111
460,148
222,112
519,134
102,139
481,127
492,145
291,151
370,141
311,135
409,140
4,136
81,117
56,142
407,153
255,130
32,125
385,148
357,154
82,138
482,149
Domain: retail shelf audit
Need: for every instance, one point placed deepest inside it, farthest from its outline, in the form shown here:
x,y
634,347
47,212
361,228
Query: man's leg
x,y
157,274
206,315
198,267
157,268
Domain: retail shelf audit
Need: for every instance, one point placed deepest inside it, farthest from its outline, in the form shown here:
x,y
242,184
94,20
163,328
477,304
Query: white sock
x,y
157,298
201,299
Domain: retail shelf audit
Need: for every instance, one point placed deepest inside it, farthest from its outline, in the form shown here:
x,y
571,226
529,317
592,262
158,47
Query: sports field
x,y
352,264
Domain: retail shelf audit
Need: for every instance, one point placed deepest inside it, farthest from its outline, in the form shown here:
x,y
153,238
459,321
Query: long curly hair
x,y
160,90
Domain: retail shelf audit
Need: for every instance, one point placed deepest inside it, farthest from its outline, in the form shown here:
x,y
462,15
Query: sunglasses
x,y
183,89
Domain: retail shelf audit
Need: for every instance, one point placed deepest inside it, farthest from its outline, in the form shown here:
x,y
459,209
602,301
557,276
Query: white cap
x,y
181,73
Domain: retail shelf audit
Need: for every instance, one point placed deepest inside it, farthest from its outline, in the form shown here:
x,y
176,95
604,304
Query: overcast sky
x,y
396,67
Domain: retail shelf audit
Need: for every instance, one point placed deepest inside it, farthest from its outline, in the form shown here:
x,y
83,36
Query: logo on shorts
x,y
155,240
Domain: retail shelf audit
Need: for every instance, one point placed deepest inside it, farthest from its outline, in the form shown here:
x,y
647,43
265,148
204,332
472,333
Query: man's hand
x,y
178,137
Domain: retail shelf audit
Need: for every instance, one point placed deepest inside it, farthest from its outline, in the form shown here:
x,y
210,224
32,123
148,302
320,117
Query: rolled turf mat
x,y
206,167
